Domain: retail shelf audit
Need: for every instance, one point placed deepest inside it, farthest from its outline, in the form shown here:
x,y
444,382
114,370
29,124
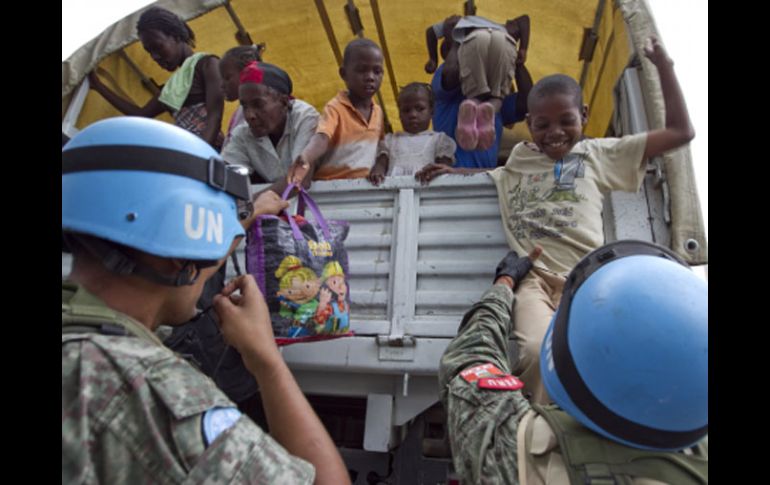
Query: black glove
x,y
514,266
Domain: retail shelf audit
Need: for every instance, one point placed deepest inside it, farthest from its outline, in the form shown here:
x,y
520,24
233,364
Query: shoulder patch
x,y
473,374
487,376
505,383
217,420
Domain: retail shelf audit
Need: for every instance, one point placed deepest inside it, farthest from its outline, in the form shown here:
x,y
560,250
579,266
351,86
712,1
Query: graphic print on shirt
x,y
538,210
565,172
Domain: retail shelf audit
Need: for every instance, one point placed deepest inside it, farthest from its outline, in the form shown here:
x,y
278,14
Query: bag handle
x,y
305,200
292,223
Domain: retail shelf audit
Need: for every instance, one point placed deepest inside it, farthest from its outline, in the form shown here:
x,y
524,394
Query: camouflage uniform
x,y
482,424
132,411
497,438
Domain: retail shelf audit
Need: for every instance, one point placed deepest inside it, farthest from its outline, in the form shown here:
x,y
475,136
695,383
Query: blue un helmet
x,y
626,353
151,186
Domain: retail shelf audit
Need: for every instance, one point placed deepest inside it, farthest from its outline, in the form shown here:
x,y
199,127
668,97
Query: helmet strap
x,y
117,262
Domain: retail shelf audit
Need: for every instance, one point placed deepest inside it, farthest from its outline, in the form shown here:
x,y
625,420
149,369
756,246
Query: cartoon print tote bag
x,y
301,267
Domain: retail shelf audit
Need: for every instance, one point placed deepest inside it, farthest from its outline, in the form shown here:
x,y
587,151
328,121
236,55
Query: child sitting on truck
x,y
551,193
407,152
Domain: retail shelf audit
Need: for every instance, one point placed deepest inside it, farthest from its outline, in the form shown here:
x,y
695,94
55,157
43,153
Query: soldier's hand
x,y
266,202
513,268
535,253
245,320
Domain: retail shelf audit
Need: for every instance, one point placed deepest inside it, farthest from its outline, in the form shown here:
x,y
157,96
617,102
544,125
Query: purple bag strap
x,y
305,200
301,206
287,191
292,223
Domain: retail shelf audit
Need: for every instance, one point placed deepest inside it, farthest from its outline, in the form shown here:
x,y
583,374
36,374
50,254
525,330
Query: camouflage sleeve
x,y
243,453
482,423
246,454
482,337
132,413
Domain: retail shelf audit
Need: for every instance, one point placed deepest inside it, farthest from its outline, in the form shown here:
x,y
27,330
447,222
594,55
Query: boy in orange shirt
x,y
351,125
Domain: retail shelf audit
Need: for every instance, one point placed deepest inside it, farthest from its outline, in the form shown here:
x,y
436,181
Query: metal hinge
x,y
395,341
655,166
400,348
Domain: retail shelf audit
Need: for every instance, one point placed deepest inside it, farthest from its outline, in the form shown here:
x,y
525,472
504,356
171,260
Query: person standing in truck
x,y
408,151
448,94
344,145
277,128
192,93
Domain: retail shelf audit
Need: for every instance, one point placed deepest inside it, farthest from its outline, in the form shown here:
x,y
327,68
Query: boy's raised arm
x,y
678,130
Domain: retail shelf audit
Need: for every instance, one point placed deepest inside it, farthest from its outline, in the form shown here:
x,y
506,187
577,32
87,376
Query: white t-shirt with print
x,y
558,204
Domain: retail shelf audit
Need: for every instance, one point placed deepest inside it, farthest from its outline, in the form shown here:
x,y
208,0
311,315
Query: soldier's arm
x,y
245,322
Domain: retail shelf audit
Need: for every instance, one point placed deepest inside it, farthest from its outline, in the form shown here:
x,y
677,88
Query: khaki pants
x,y
487,61
537,298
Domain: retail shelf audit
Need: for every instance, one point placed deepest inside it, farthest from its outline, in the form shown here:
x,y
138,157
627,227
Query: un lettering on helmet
x,y
212,225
